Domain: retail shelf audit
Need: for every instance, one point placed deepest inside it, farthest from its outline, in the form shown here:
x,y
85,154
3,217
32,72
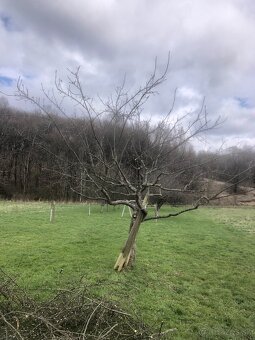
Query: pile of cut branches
x,y
71,314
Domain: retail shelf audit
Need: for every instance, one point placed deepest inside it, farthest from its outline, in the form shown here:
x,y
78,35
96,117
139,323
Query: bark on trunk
x,y
133,249
127,256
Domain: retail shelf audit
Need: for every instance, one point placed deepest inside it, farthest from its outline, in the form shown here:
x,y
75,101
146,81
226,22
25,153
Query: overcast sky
x,y
212,46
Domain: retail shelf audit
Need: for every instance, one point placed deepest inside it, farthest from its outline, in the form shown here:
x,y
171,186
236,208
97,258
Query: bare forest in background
x,y
37,164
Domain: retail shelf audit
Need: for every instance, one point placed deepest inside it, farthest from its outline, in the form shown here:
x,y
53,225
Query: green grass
x,y
195,272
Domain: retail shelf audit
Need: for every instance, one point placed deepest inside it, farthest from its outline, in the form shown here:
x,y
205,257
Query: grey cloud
x,y
211,44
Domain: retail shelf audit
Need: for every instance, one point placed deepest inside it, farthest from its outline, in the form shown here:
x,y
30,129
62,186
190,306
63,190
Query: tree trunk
x,y
127,256
132,256
157,211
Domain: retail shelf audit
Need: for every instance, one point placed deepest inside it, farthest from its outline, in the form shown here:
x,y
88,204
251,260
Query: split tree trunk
x,y
127,256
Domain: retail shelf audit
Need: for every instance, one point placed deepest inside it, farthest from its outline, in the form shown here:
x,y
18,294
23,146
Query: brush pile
x,y
71,314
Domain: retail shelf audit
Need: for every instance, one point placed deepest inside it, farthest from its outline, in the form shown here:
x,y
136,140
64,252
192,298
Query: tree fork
x,y
127,255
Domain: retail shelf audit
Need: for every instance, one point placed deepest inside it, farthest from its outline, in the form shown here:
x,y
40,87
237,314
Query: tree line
x,y
38,157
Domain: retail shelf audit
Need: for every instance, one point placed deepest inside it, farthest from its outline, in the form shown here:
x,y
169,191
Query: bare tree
x,y
123,158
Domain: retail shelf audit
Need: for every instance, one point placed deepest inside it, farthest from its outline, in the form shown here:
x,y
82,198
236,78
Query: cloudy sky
x,y
212,48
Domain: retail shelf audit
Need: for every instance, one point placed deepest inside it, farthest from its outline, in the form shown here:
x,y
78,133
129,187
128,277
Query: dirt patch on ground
x,y
244,197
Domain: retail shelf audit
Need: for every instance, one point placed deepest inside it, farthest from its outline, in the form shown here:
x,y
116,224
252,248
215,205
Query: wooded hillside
x,y
37,158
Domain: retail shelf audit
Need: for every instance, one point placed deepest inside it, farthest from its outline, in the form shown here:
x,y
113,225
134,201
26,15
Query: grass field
x,y
195,272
